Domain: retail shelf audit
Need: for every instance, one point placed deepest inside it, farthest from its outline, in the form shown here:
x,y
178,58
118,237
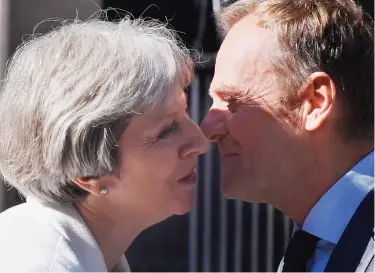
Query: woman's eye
x,y
172,128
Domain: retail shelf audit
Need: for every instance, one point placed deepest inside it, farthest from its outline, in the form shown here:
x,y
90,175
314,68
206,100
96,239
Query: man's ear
x,y
319,96
90,184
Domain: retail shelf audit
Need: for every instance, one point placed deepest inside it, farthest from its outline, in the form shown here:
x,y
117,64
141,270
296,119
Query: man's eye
x,y
232,105
170,129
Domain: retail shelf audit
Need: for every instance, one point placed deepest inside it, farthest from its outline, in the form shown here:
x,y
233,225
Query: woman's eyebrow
x,y
161,117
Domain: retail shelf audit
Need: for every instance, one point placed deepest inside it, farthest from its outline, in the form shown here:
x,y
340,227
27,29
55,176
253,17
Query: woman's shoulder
x,y
27,242
43,238
29,221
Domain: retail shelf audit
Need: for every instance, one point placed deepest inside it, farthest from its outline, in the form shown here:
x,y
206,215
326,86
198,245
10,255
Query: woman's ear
x,y
90,184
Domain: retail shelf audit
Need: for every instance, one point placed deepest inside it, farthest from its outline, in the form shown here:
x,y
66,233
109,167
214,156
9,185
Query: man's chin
x,y
231,190
235,190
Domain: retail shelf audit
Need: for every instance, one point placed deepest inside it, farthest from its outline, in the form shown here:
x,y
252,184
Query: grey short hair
x,y
66,94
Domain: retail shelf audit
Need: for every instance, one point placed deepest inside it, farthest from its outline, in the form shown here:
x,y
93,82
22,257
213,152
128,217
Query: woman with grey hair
x,y
95,133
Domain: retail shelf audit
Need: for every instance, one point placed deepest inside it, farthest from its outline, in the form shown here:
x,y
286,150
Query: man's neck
x,y
326,168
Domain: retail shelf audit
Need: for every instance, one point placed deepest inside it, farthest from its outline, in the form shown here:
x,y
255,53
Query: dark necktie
x,y
299,251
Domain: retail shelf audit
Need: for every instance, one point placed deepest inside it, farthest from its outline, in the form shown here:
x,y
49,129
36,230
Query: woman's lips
x,y
191,178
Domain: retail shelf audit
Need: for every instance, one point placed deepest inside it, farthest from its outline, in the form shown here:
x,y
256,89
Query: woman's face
x,y
157,156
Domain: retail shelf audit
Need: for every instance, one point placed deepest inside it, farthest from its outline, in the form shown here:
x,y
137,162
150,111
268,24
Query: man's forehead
x,y
248,26
245,38
241,58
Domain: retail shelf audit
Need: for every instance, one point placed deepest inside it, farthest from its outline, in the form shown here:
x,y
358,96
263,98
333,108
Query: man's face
x,y
257,145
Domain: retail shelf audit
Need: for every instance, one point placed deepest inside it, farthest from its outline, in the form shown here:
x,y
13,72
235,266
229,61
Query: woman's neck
x,y
113,232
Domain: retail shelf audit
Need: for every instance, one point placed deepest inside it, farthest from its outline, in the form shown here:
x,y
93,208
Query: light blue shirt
x,y
330,216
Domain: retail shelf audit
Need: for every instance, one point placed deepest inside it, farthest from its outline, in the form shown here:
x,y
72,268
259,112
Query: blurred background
x,y
218,234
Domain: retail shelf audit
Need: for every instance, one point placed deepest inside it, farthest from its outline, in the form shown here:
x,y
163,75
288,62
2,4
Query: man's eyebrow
x,y
220,91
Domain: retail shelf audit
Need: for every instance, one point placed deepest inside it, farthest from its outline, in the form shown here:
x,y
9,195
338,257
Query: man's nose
x,y
214,125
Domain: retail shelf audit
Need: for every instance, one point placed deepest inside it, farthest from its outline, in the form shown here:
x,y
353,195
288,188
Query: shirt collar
x,y
330,216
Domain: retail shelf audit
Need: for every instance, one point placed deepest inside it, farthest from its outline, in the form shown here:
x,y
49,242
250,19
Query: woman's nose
x,y
197,143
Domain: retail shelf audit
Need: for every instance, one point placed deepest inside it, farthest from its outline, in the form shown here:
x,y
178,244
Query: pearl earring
x,y
104,190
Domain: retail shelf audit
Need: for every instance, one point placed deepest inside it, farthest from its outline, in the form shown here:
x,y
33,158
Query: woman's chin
x,y
184,211
185,206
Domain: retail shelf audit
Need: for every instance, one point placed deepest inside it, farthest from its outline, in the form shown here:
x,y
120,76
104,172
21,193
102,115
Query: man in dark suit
x,y
293,117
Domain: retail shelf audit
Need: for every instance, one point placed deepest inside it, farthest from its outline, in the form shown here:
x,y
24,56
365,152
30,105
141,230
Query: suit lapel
x,y
353,243
367,262
281,265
